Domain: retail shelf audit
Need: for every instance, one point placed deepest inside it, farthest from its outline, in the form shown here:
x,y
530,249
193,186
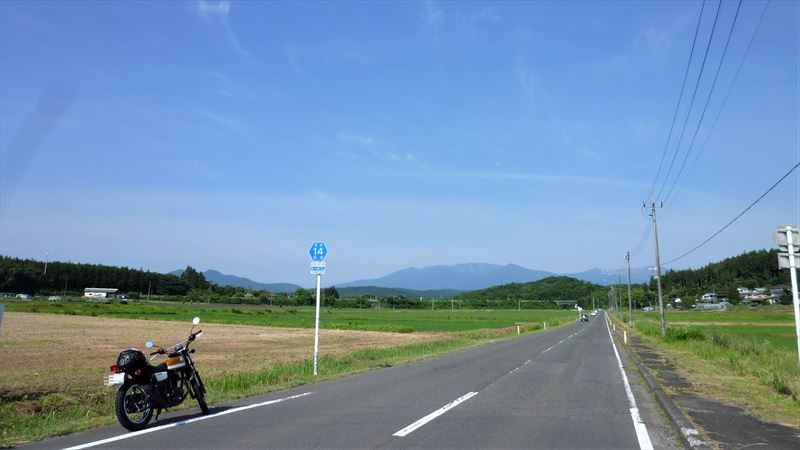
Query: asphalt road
x,y
560,389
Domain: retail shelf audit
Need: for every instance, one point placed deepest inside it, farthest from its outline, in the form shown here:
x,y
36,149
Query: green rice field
x,y
370,319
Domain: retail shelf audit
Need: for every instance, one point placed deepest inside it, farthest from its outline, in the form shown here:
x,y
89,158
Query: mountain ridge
x,y
456,277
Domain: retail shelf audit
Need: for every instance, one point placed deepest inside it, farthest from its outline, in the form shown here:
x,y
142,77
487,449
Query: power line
x,y
691,102
680,97
708,100
725,99
737,216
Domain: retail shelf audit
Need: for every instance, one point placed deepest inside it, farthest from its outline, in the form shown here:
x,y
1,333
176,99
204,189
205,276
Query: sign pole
x,y
318,251
795,301
316,329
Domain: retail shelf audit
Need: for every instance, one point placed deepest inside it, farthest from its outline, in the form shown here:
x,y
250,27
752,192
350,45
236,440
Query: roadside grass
x,y
386,320
32,416
753,366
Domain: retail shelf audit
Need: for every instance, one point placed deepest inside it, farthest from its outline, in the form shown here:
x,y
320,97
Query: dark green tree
x,y
733,295
302,297
330,292
785,298
194,279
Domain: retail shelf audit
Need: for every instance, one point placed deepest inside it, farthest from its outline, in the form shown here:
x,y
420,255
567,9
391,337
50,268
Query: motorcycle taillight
x,y
115,368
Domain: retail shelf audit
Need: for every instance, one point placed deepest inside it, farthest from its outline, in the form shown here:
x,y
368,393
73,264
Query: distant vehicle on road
x,y
54,297
584,318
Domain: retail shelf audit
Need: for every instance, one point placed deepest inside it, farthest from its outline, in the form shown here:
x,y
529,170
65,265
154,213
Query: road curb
x,y
689,435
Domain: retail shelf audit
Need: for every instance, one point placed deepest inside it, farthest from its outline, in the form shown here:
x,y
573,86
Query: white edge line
x,y
638,425
183,422
409,429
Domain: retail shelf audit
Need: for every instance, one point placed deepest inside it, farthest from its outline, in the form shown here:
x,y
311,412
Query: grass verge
x,y
747,370
35,416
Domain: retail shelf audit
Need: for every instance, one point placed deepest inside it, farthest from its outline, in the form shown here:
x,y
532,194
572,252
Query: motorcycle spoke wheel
x,y
199,393
133,407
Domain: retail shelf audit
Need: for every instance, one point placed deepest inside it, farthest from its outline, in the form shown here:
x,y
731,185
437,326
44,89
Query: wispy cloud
x,y
214,8
532,177
378,150
649,45
227,123
219,12
350,138
433,15
204,171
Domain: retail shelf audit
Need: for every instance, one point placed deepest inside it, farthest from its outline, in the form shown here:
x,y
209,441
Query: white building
x,y
98,292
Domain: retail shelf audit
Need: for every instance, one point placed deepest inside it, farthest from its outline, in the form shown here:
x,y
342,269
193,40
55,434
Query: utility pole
x,y
630,303
148,290
658,271
46,258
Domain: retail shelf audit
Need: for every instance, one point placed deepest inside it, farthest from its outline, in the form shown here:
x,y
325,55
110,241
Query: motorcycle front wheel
x,y
133,407
199,394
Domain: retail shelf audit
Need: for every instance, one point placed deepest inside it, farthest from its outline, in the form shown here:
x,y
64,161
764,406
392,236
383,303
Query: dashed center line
x,y
548,349
410,429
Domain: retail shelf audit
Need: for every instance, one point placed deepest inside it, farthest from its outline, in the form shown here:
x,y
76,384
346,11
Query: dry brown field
x,y
42,353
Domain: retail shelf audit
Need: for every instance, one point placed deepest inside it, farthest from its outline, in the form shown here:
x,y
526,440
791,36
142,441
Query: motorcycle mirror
x,y
196,320
148,344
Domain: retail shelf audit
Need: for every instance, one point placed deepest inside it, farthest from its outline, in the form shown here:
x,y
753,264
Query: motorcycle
x,y
145,387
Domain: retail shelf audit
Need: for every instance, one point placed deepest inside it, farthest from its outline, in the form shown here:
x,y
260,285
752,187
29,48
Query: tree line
x,y
31,277
751,269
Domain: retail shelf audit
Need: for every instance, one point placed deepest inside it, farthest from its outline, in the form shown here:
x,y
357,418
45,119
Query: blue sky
x,y
230,135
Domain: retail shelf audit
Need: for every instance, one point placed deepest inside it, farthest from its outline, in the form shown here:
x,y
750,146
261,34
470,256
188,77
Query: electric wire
x,y
680,98
691,102
735,218
724,100
705,107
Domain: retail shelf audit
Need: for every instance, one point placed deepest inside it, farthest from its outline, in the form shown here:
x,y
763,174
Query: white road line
x,y
183,422
527,362
548,349
409,429
561,341
638,425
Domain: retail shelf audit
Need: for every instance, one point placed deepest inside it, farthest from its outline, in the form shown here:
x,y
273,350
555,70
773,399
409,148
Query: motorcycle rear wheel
x,y
132,407
199,394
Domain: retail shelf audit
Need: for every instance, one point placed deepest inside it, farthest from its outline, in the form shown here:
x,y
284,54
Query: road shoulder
x,y
718,425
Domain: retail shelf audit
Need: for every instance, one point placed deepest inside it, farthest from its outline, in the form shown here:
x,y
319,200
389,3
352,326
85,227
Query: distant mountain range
x,y
232,280
465,277
437,281
473,276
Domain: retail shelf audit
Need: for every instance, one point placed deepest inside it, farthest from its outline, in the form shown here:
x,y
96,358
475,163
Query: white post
x,y
624,336
517,329
316,329
795,301
545,325
613,325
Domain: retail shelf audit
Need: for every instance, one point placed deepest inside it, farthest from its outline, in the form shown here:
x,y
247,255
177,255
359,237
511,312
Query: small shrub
x,y
684,334
780,385
720,339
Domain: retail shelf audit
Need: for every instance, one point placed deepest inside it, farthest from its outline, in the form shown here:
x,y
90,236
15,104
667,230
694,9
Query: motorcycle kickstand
x,y
158,413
